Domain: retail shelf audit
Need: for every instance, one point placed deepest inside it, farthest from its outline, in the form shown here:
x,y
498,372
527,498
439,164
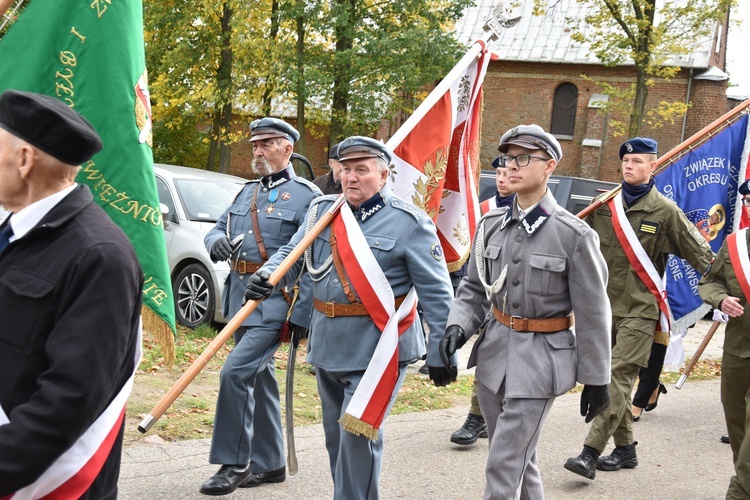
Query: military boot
x,y
473,429
621,457
585,463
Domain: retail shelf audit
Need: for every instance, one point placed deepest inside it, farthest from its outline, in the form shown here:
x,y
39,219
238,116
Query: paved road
x,y
680,455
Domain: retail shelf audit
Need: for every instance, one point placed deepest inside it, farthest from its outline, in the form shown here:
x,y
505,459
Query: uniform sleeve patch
x,y
437,251
649,227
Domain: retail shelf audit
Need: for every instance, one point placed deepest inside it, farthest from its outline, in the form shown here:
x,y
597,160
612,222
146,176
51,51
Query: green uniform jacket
x,y
719,284
662,228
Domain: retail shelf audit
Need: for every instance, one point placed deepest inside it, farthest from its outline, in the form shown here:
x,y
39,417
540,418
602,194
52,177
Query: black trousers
x,y
648,377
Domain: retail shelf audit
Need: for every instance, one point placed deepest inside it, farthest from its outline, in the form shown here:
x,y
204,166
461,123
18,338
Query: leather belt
x,y
548,325
244,267
333,309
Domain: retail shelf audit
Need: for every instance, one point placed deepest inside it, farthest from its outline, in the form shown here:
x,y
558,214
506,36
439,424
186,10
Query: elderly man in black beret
x,y
330,183
70,302
726,288
247,439
365,267
637,229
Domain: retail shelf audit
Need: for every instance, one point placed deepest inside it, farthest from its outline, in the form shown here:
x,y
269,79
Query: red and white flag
x,y
436,164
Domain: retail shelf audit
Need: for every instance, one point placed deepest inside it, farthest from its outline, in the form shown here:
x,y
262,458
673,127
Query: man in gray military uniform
x,y
247,439
347,323
532,266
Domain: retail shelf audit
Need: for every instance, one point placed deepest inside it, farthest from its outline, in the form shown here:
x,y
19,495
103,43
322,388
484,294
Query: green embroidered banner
x,y
90,55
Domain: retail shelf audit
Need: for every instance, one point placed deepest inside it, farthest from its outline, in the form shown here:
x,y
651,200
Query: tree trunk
x,y
270,85
341,77
225,89
301,93
639,103
213,147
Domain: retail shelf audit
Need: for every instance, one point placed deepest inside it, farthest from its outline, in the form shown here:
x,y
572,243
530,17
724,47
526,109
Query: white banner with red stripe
x,y
366,410
72,474
640,260
737,246
436,164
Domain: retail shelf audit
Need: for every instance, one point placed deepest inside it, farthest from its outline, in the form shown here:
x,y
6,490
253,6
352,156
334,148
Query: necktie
x,y
5,234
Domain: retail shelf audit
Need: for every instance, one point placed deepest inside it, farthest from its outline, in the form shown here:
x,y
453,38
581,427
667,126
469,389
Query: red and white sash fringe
x,y
366,410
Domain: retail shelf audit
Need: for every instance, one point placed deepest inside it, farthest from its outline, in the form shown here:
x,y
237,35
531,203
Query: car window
x,y
204,199
165,197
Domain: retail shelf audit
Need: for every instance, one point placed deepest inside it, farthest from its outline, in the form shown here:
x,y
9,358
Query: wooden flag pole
x,y
223,336
677,152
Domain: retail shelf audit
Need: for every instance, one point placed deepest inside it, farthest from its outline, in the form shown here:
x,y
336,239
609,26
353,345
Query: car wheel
x,y
195,296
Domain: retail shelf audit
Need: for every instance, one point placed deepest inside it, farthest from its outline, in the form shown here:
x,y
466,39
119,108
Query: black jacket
x,y
70,302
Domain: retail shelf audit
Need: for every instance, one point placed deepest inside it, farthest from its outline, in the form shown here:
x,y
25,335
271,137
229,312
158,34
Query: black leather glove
x,y
442,376
453,339
221,250
258,287
298,333
594,400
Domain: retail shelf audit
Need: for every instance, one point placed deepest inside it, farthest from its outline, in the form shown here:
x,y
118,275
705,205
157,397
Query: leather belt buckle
x,y
330,312
243,266
517,323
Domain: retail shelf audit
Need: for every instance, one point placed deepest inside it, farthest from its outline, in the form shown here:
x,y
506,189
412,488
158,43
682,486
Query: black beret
x,y
333,152
638,145
50,125
744,188
531,137
268,128
358,146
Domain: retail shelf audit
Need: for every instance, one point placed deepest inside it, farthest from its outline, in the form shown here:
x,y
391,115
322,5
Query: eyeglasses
x,y
521,160
746,201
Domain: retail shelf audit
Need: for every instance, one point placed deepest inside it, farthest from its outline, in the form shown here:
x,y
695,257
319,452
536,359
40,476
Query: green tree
x,y
621,31
386,50
339,63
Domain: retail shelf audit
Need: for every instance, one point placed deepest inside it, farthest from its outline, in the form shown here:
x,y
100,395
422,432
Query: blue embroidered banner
x,y
703,183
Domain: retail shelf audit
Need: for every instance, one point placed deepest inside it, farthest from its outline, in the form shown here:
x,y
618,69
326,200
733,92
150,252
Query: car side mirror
x,y
164,209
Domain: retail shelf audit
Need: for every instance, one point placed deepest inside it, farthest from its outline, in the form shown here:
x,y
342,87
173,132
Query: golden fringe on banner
x,y
162,333
358,427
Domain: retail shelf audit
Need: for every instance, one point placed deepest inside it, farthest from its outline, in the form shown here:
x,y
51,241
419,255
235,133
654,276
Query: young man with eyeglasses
x,y
532,266
637,229
726,287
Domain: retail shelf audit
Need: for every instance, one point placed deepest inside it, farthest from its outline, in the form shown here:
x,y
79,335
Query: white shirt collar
x,y
23,221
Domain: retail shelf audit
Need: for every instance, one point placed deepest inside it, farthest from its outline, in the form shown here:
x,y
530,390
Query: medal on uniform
x,y
272,197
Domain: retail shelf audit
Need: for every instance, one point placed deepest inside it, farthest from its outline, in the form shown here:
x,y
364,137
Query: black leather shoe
x,y
424,369
622,457
585,463
226,480
724,438
258,478
473,429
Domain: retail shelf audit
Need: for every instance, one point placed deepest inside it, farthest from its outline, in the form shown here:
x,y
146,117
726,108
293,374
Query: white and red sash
x,y
737,246
640,260
72,474
366,410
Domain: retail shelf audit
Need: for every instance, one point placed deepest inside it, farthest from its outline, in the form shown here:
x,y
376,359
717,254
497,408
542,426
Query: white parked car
x,y
194,200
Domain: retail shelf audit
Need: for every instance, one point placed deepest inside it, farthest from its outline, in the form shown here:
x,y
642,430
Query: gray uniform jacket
x,y
405,243
554,266
281,211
